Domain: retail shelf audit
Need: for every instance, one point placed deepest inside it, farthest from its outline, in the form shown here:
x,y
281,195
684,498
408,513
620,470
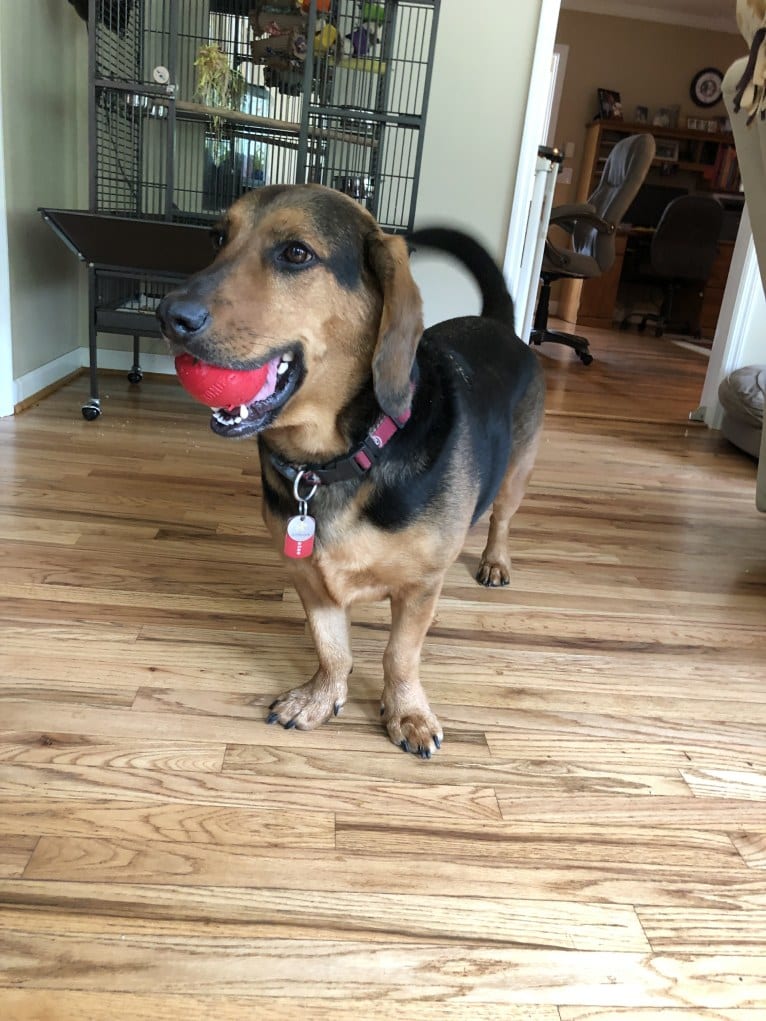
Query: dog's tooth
x,y
244,411
282,368
288,356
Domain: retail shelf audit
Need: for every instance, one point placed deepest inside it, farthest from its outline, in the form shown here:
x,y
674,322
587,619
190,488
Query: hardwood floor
x,y
589,845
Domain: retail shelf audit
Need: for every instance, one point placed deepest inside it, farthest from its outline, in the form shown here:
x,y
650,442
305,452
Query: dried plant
x,y
219,86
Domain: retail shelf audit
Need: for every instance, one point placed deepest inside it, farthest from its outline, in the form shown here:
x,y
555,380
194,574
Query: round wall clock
x,y
706,86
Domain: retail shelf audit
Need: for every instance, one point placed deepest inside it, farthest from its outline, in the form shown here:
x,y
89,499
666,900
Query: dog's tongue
x,y
218,387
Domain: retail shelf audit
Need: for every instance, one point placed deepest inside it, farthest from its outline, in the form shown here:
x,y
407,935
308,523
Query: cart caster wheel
x,y
585,358
90,412
135,376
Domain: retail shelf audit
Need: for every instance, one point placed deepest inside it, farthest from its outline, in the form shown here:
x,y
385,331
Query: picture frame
x,y
641,115
664,117
667,150
609,105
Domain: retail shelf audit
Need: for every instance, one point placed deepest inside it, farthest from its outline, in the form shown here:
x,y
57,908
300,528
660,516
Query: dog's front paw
x,y
494,573
417,730
306,707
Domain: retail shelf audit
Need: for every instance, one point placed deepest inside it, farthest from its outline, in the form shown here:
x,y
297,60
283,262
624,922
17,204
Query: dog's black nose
x,y
182,318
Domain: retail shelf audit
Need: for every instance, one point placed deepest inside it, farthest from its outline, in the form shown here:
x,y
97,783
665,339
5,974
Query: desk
x,y
598,296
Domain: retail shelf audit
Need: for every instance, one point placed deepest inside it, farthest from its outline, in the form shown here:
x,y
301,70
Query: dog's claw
x,y
437,741
289,725
404,746
337,708
272,717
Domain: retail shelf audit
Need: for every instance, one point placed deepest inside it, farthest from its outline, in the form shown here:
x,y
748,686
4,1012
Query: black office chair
x,y
682,251
592,227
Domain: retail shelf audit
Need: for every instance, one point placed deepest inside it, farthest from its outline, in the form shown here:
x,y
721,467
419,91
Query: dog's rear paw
x,y
306,707
418,731
494,573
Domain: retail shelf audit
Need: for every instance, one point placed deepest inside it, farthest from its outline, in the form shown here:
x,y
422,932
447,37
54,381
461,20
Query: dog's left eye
x,y
296,254
218,237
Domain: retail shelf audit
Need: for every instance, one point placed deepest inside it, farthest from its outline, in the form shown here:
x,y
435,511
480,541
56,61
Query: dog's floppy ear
x,y
401,323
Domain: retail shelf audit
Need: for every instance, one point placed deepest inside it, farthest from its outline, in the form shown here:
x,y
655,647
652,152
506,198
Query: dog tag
x,y
299,540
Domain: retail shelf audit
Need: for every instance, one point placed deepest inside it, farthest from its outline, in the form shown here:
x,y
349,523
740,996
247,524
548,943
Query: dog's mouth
x,y
284,376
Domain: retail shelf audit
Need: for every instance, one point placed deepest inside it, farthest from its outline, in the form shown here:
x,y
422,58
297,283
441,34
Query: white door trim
x,y
537,104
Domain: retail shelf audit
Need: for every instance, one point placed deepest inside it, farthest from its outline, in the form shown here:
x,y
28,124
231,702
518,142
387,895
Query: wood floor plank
x,y
15,851
721,815
727,783
87,750
705,930
78,1005
571,878
191,822
660,1013
295,762
752,846
276,793
556,842
258,913
204,964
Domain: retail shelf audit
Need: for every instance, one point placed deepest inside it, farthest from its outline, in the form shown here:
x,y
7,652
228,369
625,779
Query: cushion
x,y
741,395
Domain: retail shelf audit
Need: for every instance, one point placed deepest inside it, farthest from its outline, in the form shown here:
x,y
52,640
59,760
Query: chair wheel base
x,y
578,344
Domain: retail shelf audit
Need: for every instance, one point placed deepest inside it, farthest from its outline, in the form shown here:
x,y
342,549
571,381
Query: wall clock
x,y
705,88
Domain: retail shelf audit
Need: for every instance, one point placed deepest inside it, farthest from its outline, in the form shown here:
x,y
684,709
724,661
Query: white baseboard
x,y
34,382
37,380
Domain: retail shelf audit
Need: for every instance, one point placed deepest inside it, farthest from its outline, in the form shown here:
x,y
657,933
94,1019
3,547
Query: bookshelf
x,y
705,161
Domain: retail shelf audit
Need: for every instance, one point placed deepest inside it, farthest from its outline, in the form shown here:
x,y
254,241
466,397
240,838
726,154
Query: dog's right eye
x,y
218,237
296,254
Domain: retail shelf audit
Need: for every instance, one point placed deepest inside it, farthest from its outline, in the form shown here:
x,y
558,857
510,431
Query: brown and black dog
x,y
399,439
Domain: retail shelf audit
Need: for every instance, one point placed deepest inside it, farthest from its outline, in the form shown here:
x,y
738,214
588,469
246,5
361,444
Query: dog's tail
x,y
496,301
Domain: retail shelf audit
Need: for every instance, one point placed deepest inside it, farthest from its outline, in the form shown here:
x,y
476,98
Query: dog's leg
x,y
495,565
404,706
325,694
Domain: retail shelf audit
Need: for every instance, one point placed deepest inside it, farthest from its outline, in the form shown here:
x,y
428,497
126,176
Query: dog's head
x,y
307,284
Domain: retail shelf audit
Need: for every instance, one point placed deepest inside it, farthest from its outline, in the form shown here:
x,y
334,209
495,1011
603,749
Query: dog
x,y
386,441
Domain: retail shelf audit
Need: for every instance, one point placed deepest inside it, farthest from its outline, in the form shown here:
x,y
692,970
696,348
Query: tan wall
x,y
44,95
648,64
474,125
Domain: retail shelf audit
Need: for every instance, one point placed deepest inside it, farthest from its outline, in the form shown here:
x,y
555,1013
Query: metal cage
x,y
326,91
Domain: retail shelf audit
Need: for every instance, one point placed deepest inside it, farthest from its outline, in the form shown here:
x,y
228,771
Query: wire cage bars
x,y
195,102
329,91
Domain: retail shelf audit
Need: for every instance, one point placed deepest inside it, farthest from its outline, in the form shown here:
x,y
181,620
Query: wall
x,y
473,133
43,91
648,64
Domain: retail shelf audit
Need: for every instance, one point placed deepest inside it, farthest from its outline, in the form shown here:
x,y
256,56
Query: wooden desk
x,y
597,297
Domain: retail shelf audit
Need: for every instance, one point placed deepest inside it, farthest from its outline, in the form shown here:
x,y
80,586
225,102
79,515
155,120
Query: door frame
x,y
537,106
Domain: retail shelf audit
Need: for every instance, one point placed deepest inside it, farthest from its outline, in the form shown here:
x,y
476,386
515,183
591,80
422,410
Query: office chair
x,y
682,251
592,227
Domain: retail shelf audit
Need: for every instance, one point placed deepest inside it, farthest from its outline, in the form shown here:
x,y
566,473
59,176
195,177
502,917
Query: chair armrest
x,y
567,216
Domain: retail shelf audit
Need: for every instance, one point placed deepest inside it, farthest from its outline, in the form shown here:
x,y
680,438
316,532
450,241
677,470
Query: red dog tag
x,y
299,540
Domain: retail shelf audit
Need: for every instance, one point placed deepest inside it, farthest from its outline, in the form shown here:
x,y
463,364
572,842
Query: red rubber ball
x,y
218,387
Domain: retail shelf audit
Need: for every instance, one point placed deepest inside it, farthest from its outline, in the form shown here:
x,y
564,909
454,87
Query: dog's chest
x,y
367,565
